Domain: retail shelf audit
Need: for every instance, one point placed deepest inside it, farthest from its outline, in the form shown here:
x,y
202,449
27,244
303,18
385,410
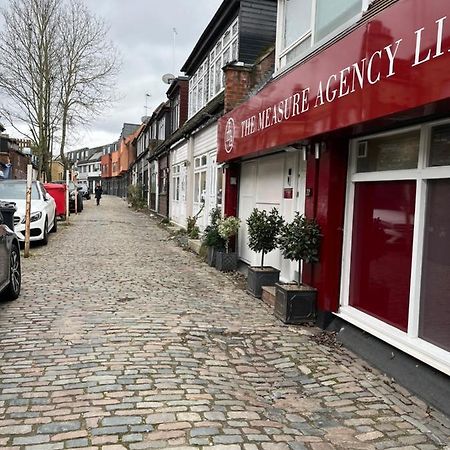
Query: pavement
x,y
123,340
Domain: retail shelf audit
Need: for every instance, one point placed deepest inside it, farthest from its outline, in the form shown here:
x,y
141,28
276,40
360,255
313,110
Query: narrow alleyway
x,y
122,340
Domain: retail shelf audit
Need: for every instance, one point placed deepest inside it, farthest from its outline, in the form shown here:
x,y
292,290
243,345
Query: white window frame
x,y
176,181
205,75
175,112
409,341
281,63
162,128
200,168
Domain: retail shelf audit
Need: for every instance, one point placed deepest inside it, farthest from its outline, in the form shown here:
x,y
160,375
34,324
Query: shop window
x,y
440,146
383,225
397,152
435,305
397,257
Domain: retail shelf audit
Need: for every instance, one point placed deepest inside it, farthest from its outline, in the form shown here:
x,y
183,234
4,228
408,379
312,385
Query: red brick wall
x,y
239,80
19,165
106,165
184,99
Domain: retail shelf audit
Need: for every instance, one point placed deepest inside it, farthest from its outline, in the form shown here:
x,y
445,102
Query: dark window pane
x,y
440,146
434,325
383,226
397,152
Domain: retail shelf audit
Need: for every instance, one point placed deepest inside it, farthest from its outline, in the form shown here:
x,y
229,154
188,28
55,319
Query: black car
x,y
73,192
10,270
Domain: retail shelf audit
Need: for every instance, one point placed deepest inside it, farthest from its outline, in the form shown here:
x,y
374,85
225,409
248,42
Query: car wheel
x,y
15,276
55,226
45,238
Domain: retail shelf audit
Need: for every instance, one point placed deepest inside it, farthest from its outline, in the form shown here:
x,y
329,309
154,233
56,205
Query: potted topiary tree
x,y
263,230
226,261
299,241
211,237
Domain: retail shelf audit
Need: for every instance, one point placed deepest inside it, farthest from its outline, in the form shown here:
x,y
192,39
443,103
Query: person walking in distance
x,y
98,193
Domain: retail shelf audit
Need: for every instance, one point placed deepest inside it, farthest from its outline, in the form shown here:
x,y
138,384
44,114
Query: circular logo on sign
x,y
229,135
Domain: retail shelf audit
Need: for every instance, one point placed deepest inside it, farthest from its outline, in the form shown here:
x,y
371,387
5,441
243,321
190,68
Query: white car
x,y
43,209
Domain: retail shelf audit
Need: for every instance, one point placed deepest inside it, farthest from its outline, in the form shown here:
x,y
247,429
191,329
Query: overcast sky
x,y
142,30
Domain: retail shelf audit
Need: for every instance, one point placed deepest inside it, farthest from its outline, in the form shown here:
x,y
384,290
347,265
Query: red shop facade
x,y
370,117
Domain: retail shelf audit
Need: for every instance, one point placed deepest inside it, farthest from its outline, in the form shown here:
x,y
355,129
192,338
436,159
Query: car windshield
x,y
16,190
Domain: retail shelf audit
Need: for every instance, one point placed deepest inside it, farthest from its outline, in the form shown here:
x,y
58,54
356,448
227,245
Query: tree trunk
x,y
300,274
262,260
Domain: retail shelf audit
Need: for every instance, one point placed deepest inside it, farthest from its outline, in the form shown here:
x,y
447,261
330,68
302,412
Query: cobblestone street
x,y
123,340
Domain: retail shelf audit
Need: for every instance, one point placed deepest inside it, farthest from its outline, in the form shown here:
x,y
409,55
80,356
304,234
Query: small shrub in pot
x,y
228,227
263,230
299,241
211,237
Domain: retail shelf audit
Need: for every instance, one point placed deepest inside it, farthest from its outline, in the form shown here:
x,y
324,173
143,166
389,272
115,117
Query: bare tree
x,y
88,65
28,70
57,70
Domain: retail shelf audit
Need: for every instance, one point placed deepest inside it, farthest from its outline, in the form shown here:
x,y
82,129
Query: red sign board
x,y
398,60
288,193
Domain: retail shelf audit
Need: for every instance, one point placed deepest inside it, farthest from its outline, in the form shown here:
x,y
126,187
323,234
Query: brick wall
x,y
184,100
241,79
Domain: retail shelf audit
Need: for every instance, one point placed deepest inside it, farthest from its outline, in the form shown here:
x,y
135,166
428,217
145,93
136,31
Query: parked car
x,y
43,209
73,193
10,269
84,189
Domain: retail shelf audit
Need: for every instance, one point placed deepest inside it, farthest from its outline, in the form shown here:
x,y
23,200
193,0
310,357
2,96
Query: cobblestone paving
x,y
122,340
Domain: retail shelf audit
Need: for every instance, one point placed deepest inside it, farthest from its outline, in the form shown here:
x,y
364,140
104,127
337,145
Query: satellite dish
x,y
168,78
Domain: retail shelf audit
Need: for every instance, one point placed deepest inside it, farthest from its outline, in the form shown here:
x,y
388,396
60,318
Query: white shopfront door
x,y
276,181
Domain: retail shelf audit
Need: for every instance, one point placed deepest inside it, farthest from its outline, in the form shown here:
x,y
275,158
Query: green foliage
x,y
135,197
300,241
193,230
211,236
215,215
228,227
263,230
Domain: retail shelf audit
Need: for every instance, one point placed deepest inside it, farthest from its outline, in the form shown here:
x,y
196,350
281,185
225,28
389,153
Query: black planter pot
x,y
257,278
211,256
295,304
226,262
